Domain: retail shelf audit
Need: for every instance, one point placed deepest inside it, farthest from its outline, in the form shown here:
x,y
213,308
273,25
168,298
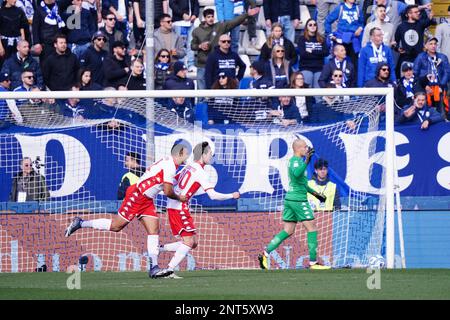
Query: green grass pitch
x,y
231,284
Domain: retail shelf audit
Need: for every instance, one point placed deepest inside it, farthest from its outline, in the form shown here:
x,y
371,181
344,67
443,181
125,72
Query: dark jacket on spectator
x,y
184,110
420,116
289,51
36,187
93,60
116,35
114,71
136,82
60,71
162,72
14,67
376,82
88,26
311,61
423,67
179,7
219,61
277,8
328,69
400,95
174,82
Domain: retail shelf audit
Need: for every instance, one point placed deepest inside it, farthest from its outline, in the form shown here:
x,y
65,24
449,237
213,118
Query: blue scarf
x,y
52,17
162,66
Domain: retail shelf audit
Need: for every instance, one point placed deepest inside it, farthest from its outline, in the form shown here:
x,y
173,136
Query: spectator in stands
x,y
419,112
393,12
434,67
162,68
286,12
184,14
13,24
178,80
206,36
135,171
222,59
382,77
279,68
28,7
321,183
120,10
339,62
324,8
410,34
61,67
21,61
276,37
217,105
28,185
167,38
159,6
94,56
72,108
371,55
136,79
47,23
303,103
80,30
117,66
349,28
313,51
8,106
27,83
380,22
111,32
286,113
85,81
407,86
182,108
443,36
259,81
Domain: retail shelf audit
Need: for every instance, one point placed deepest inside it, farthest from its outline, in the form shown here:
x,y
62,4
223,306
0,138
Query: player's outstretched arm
x,y
214,195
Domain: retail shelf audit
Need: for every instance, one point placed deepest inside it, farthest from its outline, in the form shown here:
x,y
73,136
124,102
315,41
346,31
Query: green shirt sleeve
x,y
298,167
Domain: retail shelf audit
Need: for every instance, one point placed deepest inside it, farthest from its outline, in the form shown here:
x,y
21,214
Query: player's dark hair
x,y
177,149
208,12
201,149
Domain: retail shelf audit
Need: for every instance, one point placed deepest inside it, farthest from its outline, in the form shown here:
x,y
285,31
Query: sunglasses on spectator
x,y
280,51
222,77
164,56
101,39
29,77
384,69
312,25
110,19
337,75
27,165
225,41
168,21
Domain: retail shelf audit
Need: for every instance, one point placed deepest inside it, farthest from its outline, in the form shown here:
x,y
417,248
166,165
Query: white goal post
x,y
387,93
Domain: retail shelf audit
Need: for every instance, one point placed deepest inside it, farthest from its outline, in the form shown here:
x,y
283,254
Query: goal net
x,y
77,164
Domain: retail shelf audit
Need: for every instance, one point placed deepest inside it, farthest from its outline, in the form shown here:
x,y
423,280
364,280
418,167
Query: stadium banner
x,y
81,159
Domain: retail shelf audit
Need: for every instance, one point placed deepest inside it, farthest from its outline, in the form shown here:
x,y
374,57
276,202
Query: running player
x,y
139,202
296,206
188,181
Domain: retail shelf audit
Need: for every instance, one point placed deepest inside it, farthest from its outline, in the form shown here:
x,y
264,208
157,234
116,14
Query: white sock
x,y
99,224
172,246
153,248
179,255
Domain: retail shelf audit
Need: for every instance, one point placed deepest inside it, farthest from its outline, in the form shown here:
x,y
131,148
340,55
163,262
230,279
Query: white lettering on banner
x,y
78,161
360,159
257,150
443,175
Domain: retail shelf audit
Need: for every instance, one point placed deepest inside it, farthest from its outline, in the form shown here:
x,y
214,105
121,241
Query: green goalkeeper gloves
x,y
309,155
319,196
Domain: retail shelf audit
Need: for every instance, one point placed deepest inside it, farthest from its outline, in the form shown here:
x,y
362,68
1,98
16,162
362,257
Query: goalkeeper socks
x,y
99,224
276,241
179,255
171,246
153,248
312,246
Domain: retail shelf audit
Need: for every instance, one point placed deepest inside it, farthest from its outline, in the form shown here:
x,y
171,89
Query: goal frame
x,y
388,93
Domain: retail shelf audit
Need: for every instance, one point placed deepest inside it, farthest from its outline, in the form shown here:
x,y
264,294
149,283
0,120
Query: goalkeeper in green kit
x,y
296,207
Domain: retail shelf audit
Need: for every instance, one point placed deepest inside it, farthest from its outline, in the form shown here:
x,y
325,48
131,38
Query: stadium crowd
x,y
202,44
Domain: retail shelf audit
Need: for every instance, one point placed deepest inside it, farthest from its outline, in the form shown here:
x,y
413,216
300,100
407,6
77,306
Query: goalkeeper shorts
x,y
297,211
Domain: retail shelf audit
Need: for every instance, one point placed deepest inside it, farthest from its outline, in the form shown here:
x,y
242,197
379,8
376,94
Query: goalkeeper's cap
x,y
320,163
